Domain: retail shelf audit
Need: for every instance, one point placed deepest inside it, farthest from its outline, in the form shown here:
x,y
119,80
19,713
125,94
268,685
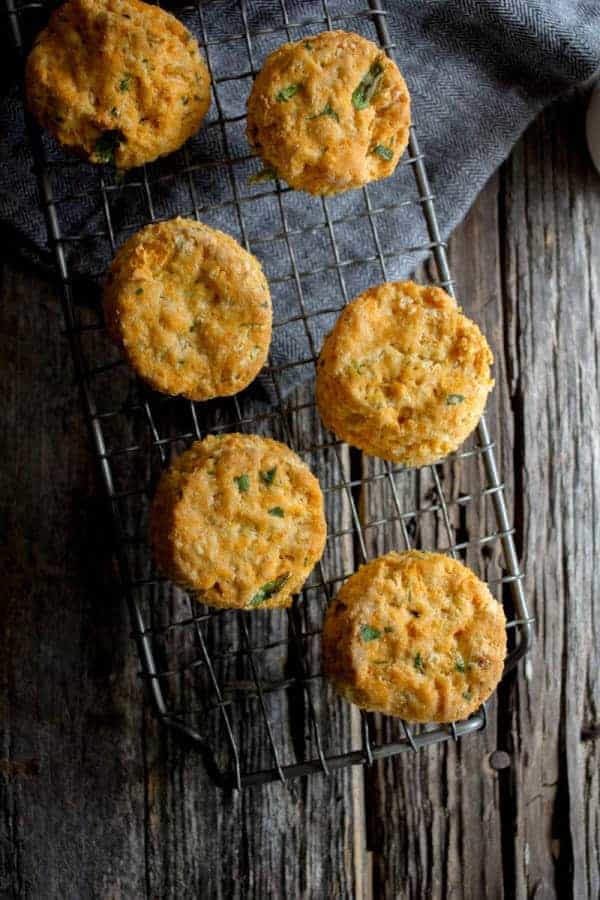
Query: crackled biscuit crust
x,y
317,139
404,375
239,520
117,81
190,308
415,635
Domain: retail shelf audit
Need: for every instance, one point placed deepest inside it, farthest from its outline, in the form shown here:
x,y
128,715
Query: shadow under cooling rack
x,y
247,688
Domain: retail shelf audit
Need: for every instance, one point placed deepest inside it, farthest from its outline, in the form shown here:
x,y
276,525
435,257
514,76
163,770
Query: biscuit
x,y
190,308
117,81
329,113
404,375
415,635
238,519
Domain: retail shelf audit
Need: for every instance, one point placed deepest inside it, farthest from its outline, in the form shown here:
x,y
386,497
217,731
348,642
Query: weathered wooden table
x,y
96,801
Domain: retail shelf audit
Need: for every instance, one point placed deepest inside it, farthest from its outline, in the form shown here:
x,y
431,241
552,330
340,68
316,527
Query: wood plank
x,y
552,299
541,812
427,810
71,789
273,837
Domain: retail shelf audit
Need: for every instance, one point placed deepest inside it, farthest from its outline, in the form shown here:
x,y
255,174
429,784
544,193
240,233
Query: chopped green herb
x,y
185,100
287,93
459,663
307,45
454,399
106,146
114,111
263,175
327,110
125,83
418,663
277,511
388,629
381,662
243,483
358,366
364,93
467,696
269,589
369,634
268,477
139,290
383,151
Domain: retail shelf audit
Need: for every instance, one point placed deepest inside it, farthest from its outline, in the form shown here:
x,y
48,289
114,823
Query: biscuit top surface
x,y
119,81
417,635
239,518
190,307
329,112
404,374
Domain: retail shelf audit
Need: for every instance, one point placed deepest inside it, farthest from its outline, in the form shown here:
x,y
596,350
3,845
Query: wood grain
x,y
96,801
551,276
70,718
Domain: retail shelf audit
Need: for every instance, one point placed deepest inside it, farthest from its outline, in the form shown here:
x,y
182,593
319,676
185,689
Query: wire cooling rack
x,y
247,688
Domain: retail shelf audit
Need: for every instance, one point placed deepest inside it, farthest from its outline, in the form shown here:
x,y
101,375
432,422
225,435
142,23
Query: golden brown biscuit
x,y
239,520
191,309
117,81
329,113
415,635
404,375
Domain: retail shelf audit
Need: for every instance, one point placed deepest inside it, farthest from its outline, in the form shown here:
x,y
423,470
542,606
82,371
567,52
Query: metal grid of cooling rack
x,y
245,688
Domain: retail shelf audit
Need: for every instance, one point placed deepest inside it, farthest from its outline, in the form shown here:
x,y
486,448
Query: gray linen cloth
x,y
478,73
